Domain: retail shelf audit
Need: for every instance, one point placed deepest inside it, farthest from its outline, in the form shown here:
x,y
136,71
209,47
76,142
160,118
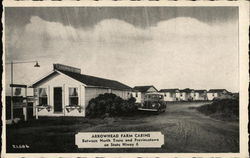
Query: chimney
x,y
66,68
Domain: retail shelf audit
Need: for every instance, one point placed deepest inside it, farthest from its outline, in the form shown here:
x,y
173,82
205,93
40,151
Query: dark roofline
x,y
80,77
187,90
18,85
217,90
200,90
169,90
136,88
124,87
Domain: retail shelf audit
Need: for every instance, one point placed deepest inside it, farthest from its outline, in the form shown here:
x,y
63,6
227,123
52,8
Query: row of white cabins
x,y
66,92
171,95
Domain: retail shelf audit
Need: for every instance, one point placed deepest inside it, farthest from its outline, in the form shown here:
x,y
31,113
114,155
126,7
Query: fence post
x,y
36,112
25,112
26,106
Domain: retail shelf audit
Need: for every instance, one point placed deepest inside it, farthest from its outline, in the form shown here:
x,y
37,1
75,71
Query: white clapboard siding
x,y
92,92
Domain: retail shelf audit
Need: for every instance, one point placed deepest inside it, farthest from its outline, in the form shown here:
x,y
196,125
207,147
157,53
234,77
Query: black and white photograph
x,y
123,79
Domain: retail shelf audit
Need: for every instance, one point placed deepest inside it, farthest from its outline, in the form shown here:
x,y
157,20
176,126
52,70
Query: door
x,y
58,99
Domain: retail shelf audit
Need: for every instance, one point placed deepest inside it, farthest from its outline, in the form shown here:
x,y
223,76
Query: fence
x,y
17,108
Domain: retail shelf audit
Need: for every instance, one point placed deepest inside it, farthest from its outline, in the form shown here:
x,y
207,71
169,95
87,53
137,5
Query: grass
x,y
58,134
185,130
226,109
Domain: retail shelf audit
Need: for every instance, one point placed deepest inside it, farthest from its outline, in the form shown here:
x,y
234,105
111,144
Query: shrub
x,y
226,109
110,104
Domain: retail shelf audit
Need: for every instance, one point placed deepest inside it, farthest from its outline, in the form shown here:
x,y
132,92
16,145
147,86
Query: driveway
x,y
185,131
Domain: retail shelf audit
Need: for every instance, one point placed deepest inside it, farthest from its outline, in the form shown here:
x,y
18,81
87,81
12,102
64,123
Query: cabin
x,y
67,92
170,94
186,94
137,95
140,91
200,94
218,94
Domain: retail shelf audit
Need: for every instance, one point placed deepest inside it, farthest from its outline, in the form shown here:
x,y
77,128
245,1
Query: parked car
x,y
153,102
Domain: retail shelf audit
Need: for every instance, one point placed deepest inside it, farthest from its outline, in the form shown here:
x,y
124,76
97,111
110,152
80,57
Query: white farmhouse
x,y
67,92
186,94
200,94
170,94
137,95
218,94
140,91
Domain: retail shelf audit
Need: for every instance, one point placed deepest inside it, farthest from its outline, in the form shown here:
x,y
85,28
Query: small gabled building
x,y
137,95
67,92
235,95
200,94
170,94
218,94
186,94
140,91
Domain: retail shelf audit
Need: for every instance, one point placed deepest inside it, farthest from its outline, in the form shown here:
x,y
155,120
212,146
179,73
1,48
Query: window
x,y
36,92
136,94
18,91
43,98
165,94
73,96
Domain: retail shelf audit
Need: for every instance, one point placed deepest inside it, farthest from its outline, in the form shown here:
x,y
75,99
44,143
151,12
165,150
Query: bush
x,y
226,109
110,104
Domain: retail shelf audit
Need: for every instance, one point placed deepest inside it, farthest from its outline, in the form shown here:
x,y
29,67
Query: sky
x,y
168,47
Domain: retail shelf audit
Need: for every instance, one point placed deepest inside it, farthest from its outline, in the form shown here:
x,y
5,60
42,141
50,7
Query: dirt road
x,y
190,131
185,130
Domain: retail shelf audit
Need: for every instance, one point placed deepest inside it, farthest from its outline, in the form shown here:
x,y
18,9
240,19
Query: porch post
x,y
36,109
26,106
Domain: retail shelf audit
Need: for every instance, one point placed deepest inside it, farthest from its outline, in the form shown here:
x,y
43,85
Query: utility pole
x,y
11,102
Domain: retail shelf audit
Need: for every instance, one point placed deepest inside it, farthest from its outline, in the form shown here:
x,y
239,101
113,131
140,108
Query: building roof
x,y
143,88
200,90
91,81
187,90
216,90
169,90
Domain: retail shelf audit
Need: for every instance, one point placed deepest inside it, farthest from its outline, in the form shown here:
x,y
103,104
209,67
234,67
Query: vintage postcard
x,y
125,79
